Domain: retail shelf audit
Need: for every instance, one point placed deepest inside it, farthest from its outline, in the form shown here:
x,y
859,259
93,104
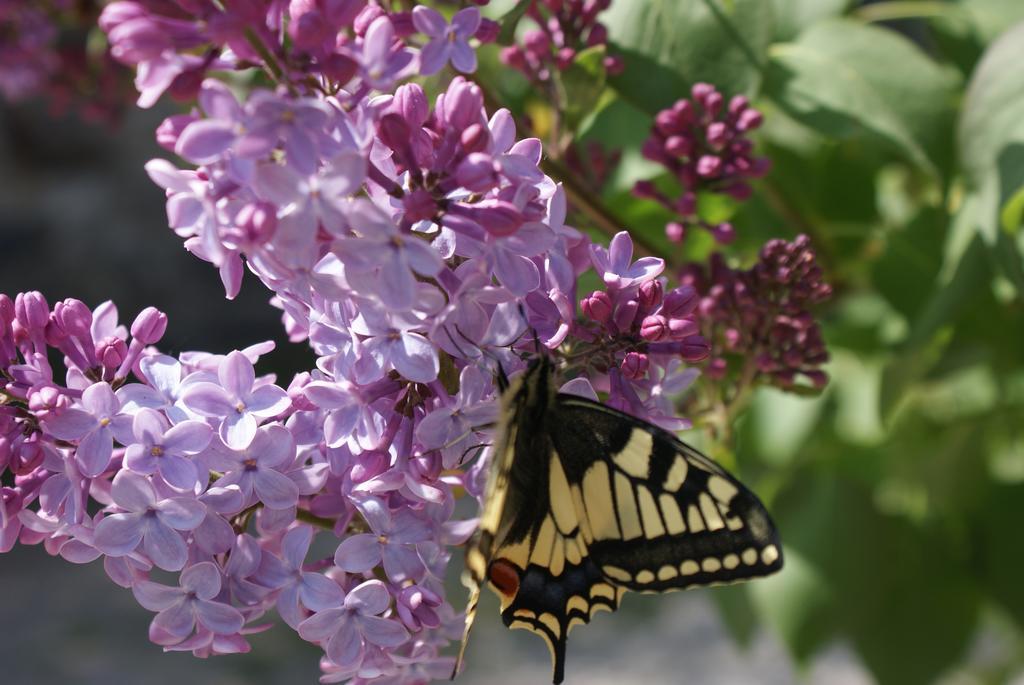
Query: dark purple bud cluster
x,y
759,318
703,142
565,27
45,52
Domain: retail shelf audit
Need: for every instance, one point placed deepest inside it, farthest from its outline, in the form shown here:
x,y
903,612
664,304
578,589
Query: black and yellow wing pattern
x,y
584,502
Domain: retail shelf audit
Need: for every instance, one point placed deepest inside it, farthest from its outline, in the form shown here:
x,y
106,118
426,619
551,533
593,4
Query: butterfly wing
x,y
584,503
659,514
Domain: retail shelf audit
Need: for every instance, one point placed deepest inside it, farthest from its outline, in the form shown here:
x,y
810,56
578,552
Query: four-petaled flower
x,y
617,267
347,629
392,541
161,447
447,42
148,520
94,427
235,401
255,468
192,602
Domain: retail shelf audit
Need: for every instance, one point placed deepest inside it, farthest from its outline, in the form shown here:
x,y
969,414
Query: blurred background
x,y
895,130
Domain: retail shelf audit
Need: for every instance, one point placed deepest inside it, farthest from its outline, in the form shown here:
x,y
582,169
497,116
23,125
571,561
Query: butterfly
x,y
584,503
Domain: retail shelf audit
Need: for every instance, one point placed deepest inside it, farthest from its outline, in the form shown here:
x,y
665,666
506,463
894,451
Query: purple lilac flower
x,y
148,520
347,630
392,543
94,427
182,608
299,591
447,42
165,449
236,401
255,469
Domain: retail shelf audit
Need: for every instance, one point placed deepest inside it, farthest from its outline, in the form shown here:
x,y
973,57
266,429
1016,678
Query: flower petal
x,y
119,534
164,546
383,632
154,596
369,598
218,617
188,437
322,624
181,513
358,553
203,579
275,489
236,375
132,492
238,430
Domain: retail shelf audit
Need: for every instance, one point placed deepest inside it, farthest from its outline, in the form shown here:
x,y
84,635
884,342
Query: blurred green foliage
x,y
896,130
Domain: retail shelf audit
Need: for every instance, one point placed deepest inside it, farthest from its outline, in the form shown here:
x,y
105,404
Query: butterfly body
x,y
584,502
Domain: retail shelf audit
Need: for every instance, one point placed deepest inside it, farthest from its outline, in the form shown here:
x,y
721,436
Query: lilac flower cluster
x,y
759,319
27,53
416,248
704,144
45,52
564,28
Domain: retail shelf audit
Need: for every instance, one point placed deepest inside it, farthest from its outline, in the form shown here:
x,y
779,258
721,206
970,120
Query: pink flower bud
x,y
635,365
111,352
488,30
654,328
716,368
149,326
724,233
682,328
694,348
168,131
625,314
477,173
597,306
614,65
537,42
366,17
74,318
394,132
708,166
31,310
675,231
679,146
680,302
564,58
513,57
476,138
411,103
650,294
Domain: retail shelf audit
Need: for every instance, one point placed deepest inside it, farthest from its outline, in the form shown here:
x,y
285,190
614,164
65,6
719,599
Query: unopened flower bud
x,y
31,310
635,365
654,328
111,352
597,306
149,326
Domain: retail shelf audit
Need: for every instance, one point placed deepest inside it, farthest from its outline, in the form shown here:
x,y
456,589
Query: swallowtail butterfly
x,y
584,502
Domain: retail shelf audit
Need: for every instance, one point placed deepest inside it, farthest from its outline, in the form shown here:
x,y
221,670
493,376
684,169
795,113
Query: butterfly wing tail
x,y
471,605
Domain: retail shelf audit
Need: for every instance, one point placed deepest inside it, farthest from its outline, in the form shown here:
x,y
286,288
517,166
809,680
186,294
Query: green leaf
x,y
991,145
668,45
793,16
908,604
932,330
851,81
510,20
991,17
582,83
994,526
1013,212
